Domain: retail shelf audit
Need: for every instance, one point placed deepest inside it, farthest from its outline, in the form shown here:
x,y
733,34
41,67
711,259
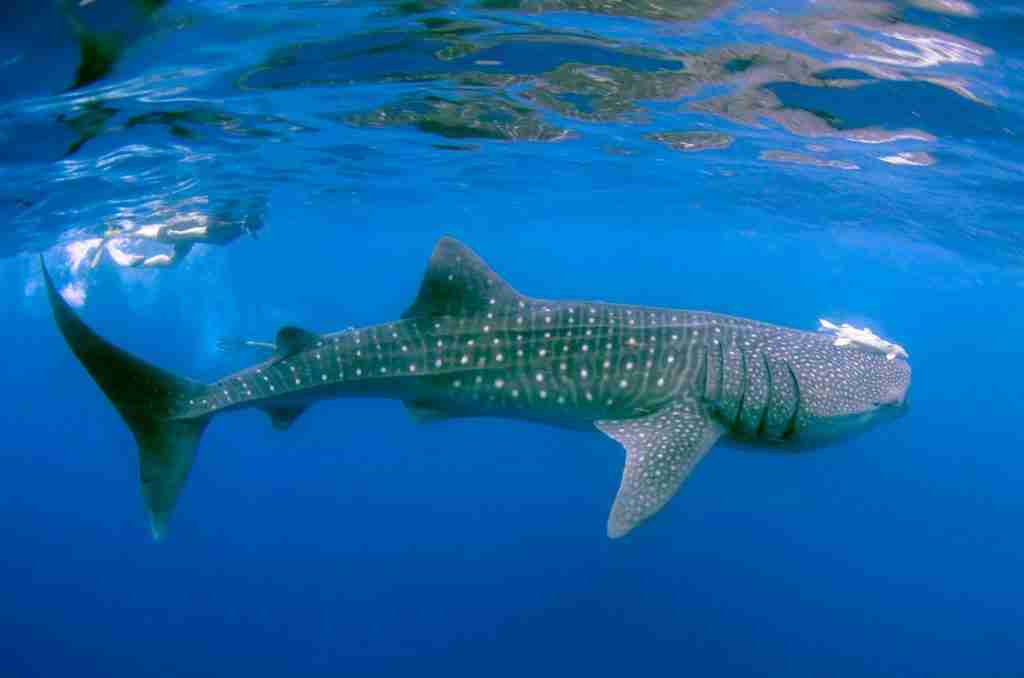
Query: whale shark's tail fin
x,y
146,397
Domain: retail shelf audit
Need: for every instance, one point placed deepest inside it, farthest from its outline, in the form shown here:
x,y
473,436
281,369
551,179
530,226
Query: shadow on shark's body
x,y
666,384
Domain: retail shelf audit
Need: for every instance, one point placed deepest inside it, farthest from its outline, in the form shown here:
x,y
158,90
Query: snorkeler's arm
x,y
105,242
194,232
122,258
159,261
95,261
180,251
149,232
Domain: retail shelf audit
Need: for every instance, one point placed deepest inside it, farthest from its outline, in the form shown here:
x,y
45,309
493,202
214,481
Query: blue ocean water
x,y
779,160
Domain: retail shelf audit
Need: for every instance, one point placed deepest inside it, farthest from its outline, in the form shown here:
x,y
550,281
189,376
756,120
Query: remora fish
x,y
666,384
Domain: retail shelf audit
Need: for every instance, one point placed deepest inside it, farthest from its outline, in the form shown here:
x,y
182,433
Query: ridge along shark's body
x,y
666,384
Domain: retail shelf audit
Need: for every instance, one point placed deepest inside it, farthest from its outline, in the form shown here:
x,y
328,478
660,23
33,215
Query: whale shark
x,y
665,384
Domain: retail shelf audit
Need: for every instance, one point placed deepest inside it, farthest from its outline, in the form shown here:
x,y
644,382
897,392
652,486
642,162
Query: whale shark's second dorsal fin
x,y
458,282
291,340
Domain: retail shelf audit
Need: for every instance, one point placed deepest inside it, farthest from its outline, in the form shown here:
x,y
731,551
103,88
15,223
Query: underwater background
x,y
779,160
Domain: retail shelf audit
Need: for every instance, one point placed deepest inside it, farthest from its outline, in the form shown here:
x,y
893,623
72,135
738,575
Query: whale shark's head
x,y
851,390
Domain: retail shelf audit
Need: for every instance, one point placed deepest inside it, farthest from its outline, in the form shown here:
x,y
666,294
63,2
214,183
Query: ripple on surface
x,y
792,158
473,117
692,141
673,10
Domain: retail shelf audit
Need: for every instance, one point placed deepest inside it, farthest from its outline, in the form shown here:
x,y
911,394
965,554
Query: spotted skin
x,y
661,450
664,383
573,363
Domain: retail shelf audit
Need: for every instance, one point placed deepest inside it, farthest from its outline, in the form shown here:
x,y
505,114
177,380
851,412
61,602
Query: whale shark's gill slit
x,y
702,374
743,391
790,431
768,396
720,377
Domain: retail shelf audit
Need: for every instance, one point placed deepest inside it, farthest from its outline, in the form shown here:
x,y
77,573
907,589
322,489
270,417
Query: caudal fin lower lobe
x,y
145,396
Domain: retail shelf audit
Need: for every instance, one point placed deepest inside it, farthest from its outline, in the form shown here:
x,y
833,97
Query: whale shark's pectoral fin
x,y
291,340
661,450
458,282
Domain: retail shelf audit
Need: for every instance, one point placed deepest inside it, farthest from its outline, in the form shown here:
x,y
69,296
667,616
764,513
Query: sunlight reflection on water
x,y
209,99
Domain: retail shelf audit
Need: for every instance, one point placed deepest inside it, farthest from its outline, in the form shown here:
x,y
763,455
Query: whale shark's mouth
x,y
896,397
899,396
900,391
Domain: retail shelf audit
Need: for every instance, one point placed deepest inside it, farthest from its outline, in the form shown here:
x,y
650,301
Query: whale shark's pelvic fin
x,y
458,282
661,450
144,395
426,412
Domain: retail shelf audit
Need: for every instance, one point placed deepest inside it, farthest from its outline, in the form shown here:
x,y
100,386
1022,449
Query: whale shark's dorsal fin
x,y
458,282
661,450
291,340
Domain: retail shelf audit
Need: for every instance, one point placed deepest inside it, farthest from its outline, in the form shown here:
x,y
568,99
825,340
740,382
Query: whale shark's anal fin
x,y
146,397
281,417
661,450
458,282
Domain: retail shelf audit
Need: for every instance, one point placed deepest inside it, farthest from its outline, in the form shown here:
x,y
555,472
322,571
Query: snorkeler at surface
x,y
182,233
